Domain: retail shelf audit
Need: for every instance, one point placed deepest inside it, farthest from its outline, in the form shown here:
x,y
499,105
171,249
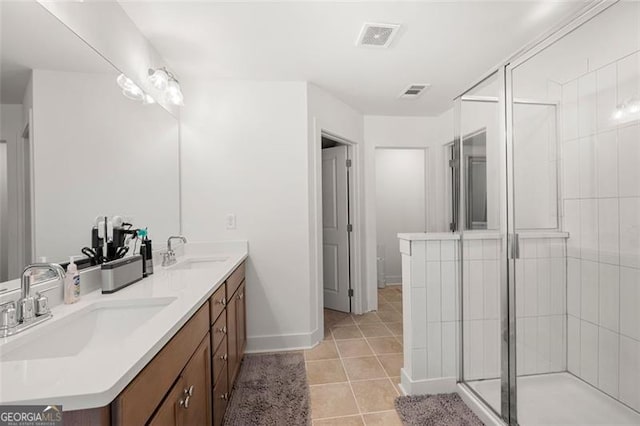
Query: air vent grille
x,y
414,90
377,35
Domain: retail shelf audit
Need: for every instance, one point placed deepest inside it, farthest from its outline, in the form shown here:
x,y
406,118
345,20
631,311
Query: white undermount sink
x,y
98,326
198,263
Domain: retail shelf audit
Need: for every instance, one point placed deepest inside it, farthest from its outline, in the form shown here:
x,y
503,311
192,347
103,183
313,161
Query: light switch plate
x,y
231,221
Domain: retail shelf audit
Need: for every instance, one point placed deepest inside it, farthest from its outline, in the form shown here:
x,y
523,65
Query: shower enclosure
x,y
550,288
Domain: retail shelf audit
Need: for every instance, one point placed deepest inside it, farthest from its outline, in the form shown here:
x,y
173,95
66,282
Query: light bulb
x,y
148,100
129,89
633,107
173,93
617,114
159,78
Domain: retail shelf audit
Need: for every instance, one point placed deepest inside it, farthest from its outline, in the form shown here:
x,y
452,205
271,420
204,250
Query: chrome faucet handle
x,y
8,318
42,304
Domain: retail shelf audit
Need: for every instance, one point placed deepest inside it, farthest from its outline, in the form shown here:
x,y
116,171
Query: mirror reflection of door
x,y
476,172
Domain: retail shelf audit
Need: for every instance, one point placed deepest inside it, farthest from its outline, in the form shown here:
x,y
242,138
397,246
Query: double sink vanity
x,y
165,350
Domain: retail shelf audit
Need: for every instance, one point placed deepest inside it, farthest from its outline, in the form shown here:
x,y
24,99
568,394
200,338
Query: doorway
x,y
336,225
401,205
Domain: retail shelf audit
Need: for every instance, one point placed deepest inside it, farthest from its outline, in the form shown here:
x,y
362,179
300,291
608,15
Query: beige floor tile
x,y
395,327
385,345
397,306
395,297
390,316
368,318
327,333
386,418
374,330
324,350
340,421
392,363
385,307
326,371
396,384
374,395
345,321
348,332
353,348
363,368
332,401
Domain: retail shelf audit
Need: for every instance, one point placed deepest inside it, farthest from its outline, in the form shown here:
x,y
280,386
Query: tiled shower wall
x,y
601,201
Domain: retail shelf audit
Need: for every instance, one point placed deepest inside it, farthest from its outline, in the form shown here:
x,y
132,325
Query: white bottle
x,y
71,283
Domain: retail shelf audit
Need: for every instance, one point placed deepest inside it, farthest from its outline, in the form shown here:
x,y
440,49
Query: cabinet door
x,y
241,315
197,387
170,411
232,339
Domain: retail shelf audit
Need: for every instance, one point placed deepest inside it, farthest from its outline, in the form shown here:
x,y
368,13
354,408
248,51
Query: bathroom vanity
x,y
166,350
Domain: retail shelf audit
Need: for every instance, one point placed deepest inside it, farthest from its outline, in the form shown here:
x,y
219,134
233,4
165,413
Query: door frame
x,y
356,217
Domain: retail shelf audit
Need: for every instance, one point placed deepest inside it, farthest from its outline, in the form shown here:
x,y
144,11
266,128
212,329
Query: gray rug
x,y
446,409
271,389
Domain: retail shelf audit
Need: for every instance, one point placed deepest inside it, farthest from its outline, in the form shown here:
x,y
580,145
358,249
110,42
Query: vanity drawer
x,y
234,280
218,302
218,332
141,397
220,400
219,361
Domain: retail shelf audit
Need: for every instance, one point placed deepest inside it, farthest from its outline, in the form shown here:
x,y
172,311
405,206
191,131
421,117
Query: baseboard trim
x,y
427,386
283,342
392,279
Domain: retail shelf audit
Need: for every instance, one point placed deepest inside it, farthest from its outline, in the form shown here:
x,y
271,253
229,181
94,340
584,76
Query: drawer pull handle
x,y
224,357
241,296
224,396
223,301
189,391
223,330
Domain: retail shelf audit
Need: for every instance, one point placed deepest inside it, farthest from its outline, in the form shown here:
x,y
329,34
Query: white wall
x,y
245,152
97,153
401,202
11,124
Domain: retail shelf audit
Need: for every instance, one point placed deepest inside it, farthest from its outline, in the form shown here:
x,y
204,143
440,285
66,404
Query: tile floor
x,y
353,374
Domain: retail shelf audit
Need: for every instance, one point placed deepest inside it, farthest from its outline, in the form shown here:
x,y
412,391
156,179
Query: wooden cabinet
x,y
236,324
241,319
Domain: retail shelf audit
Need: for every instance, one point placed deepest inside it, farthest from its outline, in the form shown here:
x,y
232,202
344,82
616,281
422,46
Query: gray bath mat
x,y
271,389
446,409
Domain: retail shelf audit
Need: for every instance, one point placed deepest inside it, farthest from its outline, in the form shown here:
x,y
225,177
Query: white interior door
x,y
335,221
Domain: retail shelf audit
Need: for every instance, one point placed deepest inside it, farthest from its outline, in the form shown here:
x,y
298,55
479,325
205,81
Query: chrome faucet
x,y
169,258
30,310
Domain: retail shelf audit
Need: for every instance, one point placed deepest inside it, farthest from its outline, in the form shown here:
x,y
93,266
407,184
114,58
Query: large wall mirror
x,y
72,147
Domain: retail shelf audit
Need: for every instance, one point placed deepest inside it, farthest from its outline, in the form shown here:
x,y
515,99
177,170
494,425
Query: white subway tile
x,y
589,291
418,264
491,348
520,347
419,317
448,250
589,352
573,227
573,345
558,352
528,248
433,251
475,290
450,349
490,249
628,77
573,287
449,287
543,248
587,104
434,302
491,289
570,110
608,357
630,302
476,348
607,163
530,287
588,177
530,345
557,248
465,288
434,350
589,229
520,288
475,250
606,81
544,287
609,298
630,232
571,169
608,231
544,345
629,158
558,287
630,372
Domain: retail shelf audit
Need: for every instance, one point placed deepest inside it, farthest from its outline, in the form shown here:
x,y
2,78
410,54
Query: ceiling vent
x,y
414,91
377,35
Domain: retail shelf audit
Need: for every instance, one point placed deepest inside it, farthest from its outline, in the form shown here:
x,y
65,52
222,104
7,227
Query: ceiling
x,y
32,38
446,44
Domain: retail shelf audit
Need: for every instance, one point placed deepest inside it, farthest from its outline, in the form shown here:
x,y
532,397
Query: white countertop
x,y
93,378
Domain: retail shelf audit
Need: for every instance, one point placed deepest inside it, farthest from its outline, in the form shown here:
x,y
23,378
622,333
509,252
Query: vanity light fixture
x,y
163,80
129,88
627,111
